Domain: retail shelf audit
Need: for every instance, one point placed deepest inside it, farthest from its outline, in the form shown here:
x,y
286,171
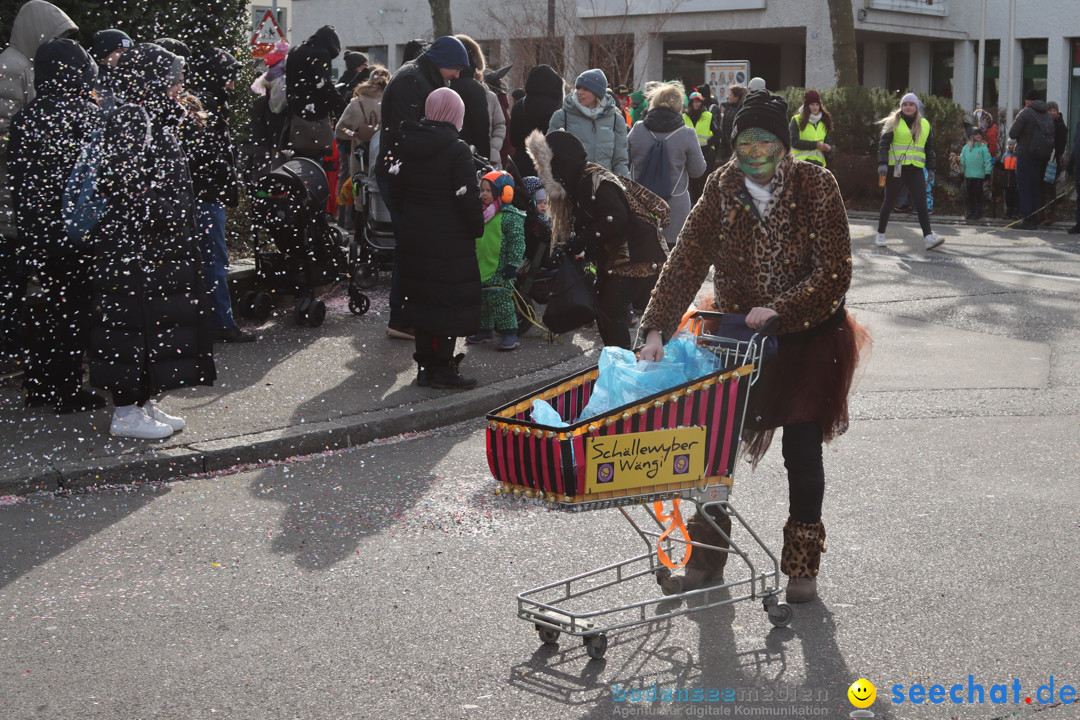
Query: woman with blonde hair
x,y
905,148
664,123
363,116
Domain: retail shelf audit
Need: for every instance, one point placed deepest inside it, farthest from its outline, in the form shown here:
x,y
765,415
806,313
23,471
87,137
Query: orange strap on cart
x,y
676,522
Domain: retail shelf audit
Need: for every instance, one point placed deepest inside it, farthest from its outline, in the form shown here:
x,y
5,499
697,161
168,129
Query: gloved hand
x,y
882,169
509,272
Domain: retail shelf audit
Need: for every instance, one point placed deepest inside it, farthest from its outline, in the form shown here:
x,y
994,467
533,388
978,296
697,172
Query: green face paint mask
x,y
758,152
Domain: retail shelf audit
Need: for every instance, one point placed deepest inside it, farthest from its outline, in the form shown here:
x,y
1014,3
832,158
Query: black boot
x,y
444,375
423,362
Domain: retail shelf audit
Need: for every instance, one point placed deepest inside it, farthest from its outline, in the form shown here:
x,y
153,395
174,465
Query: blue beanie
x,y
595,81
447,52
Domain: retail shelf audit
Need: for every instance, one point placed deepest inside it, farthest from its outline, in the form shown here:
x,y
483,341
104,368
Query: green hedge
x,y
856,112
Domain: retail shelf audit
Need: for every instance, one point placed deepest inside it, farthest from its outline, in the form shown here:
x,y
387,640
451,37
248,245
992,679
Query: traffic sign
x,y
266,34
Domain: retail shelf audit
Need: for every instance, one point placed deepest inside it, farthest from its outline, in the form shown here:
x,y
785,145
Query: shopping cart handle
x,y
769,328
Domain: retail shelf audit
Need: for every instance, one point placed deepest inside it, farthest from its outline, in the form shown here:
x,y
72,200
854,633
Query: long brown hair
x,y
804,117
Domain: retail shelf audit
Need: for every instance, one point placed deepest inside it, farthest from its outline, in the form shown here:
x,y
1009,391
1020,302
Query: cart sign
x,y
636,460
722,74
268,33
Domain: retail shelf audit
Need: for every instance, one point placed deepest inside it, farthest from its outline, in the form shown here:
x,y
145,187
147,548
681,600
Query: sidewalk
x,y
301,390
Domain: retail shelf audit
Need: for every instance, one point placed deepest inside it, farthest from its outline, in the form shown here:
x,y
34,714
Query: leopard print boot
x,y
800,558
705,567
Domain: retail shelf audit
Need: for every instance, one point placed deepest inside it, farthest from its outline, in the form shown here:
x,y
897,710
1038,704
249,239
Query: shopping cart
x,y
677,445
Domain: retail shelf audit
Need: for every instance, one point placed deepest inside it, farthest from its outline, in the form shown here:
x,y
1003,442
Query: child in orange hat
x,y
499,251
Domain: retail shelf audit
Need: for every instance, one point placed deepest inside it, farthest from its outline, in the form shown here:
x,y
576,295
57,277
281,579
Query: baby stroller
x,y
372,247
289,209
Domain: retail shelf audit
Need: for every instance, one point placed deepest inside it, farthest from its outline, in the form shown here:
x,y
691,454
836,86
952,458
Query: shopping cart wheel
x,y
780,615
300,312
359,304
548,636
246,305
262,306
317,313
595,645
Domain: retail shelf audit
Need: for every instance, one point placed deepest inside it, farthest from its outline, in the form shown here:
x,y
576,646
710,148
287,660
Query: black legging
x,y
432,347
912,178
615,294
806,471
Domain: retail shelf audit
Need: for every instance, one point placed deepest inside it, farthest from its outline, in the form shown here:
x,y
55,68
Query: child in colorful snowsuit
x,y
976,164
1012,192
499,251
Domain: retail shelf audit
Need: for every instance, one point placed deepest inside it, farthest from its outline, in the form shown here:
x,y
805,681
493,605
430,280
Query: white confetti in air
x,y
395,168
461,191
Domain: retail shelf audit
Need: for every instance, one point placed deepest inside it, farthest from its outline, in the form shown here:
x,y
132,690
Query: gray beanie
x,y
595,81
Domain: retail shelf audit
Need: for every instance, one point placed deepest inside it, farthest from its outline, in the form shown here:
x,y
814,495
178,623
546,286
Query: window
x,y
1035,56
991,73
941,69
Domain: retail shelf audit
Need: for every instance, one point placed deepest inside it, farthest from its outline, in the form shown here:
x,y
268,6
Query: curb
x,y
177,463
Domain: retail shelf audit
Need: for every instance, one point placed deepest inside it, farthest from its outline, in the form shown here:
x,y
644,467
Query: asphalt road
x,y
380,582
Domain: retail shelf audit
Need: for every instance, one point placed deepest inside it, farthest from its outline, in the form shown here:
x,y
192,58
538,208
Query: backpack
x,y
1042,136
83,206
656,168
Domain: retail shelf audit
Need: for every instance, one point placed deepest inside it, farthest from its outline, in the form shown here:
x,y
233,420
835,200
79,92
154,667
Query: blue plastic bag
x,y
624,379
543,413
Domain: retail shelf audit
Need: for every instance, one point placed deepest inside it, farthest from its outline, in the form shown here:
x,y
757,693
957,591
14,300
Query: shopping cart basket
x,y
679,445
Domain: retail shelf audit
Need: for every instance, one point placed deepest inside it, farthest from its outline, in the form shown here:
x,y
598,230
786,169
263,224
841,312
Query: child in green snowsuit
x,y
499,251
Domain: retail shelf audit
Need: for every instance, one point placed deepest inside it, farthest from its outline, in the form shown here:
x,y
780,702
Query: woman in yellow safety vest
x,y
700,119
906,147
811,130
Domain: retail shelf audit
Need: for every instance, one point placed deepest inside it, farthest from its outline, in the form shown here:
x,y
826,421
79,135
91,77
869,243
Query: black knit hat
x,y
354,60
761,110
106,41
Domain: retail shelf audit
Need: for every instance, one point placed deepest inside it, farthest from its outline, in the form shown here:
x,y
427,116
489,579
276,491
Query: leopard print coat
x,y
795,260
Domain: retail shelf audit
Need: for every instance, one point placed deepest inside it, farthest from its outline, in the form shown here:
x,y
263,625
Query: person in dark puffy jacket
x,y
212,161
476,130
543,96
46,138
403,101
309,84
436,246
150,332
1032,123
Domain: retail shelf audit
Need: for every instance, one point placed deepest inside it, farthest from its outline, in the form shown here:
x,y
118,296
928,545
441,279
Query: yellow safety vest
x,y
812,133
703,127
904,150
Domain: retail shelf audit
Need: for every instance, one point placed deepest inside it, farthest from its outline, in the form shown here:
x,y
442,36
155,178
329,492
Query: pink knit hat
x,y
445,105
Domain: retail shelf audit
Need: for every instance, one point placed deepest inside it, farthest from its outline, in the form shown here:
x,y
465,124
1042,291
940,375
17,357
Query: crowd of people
x,y
461,164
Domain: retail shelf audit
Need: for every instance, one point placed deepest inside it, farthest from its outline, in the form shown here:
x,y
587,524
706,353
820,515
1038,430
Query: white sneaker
x,y
880,240
154,411
137,424
932,241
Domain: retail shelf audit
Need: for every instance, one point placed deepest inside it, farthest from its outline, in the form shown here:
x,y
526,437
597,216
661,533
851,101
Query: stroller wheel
x,y
316,313
262,306
359,304
367,274
246,305
301,311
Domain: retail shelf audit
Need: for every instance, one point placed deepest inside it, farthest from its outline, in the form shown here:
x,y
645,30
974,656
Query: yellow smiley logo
x,y
862,693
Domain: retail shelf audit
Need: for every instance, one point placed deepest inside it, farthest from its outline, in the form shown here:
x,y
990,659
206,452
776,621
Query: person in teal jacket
x,y
499,251
976,164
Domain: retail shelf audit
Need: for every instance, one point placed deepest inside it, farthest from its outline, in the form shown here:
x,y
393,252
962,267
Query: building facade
x,y
925,45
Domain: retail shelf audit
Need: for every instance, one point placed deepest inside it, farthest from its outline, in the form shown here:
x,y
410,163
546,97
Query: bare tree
x,y
616,41
845,57
441,23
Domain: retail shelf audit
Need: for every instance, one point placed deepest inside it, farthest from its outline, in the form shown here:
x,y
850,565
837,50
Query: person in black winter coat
x,y
212,160
309,84
150,331
1050,200
403,101
476,130
441,218
46,138
107,48
356,72
543,96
